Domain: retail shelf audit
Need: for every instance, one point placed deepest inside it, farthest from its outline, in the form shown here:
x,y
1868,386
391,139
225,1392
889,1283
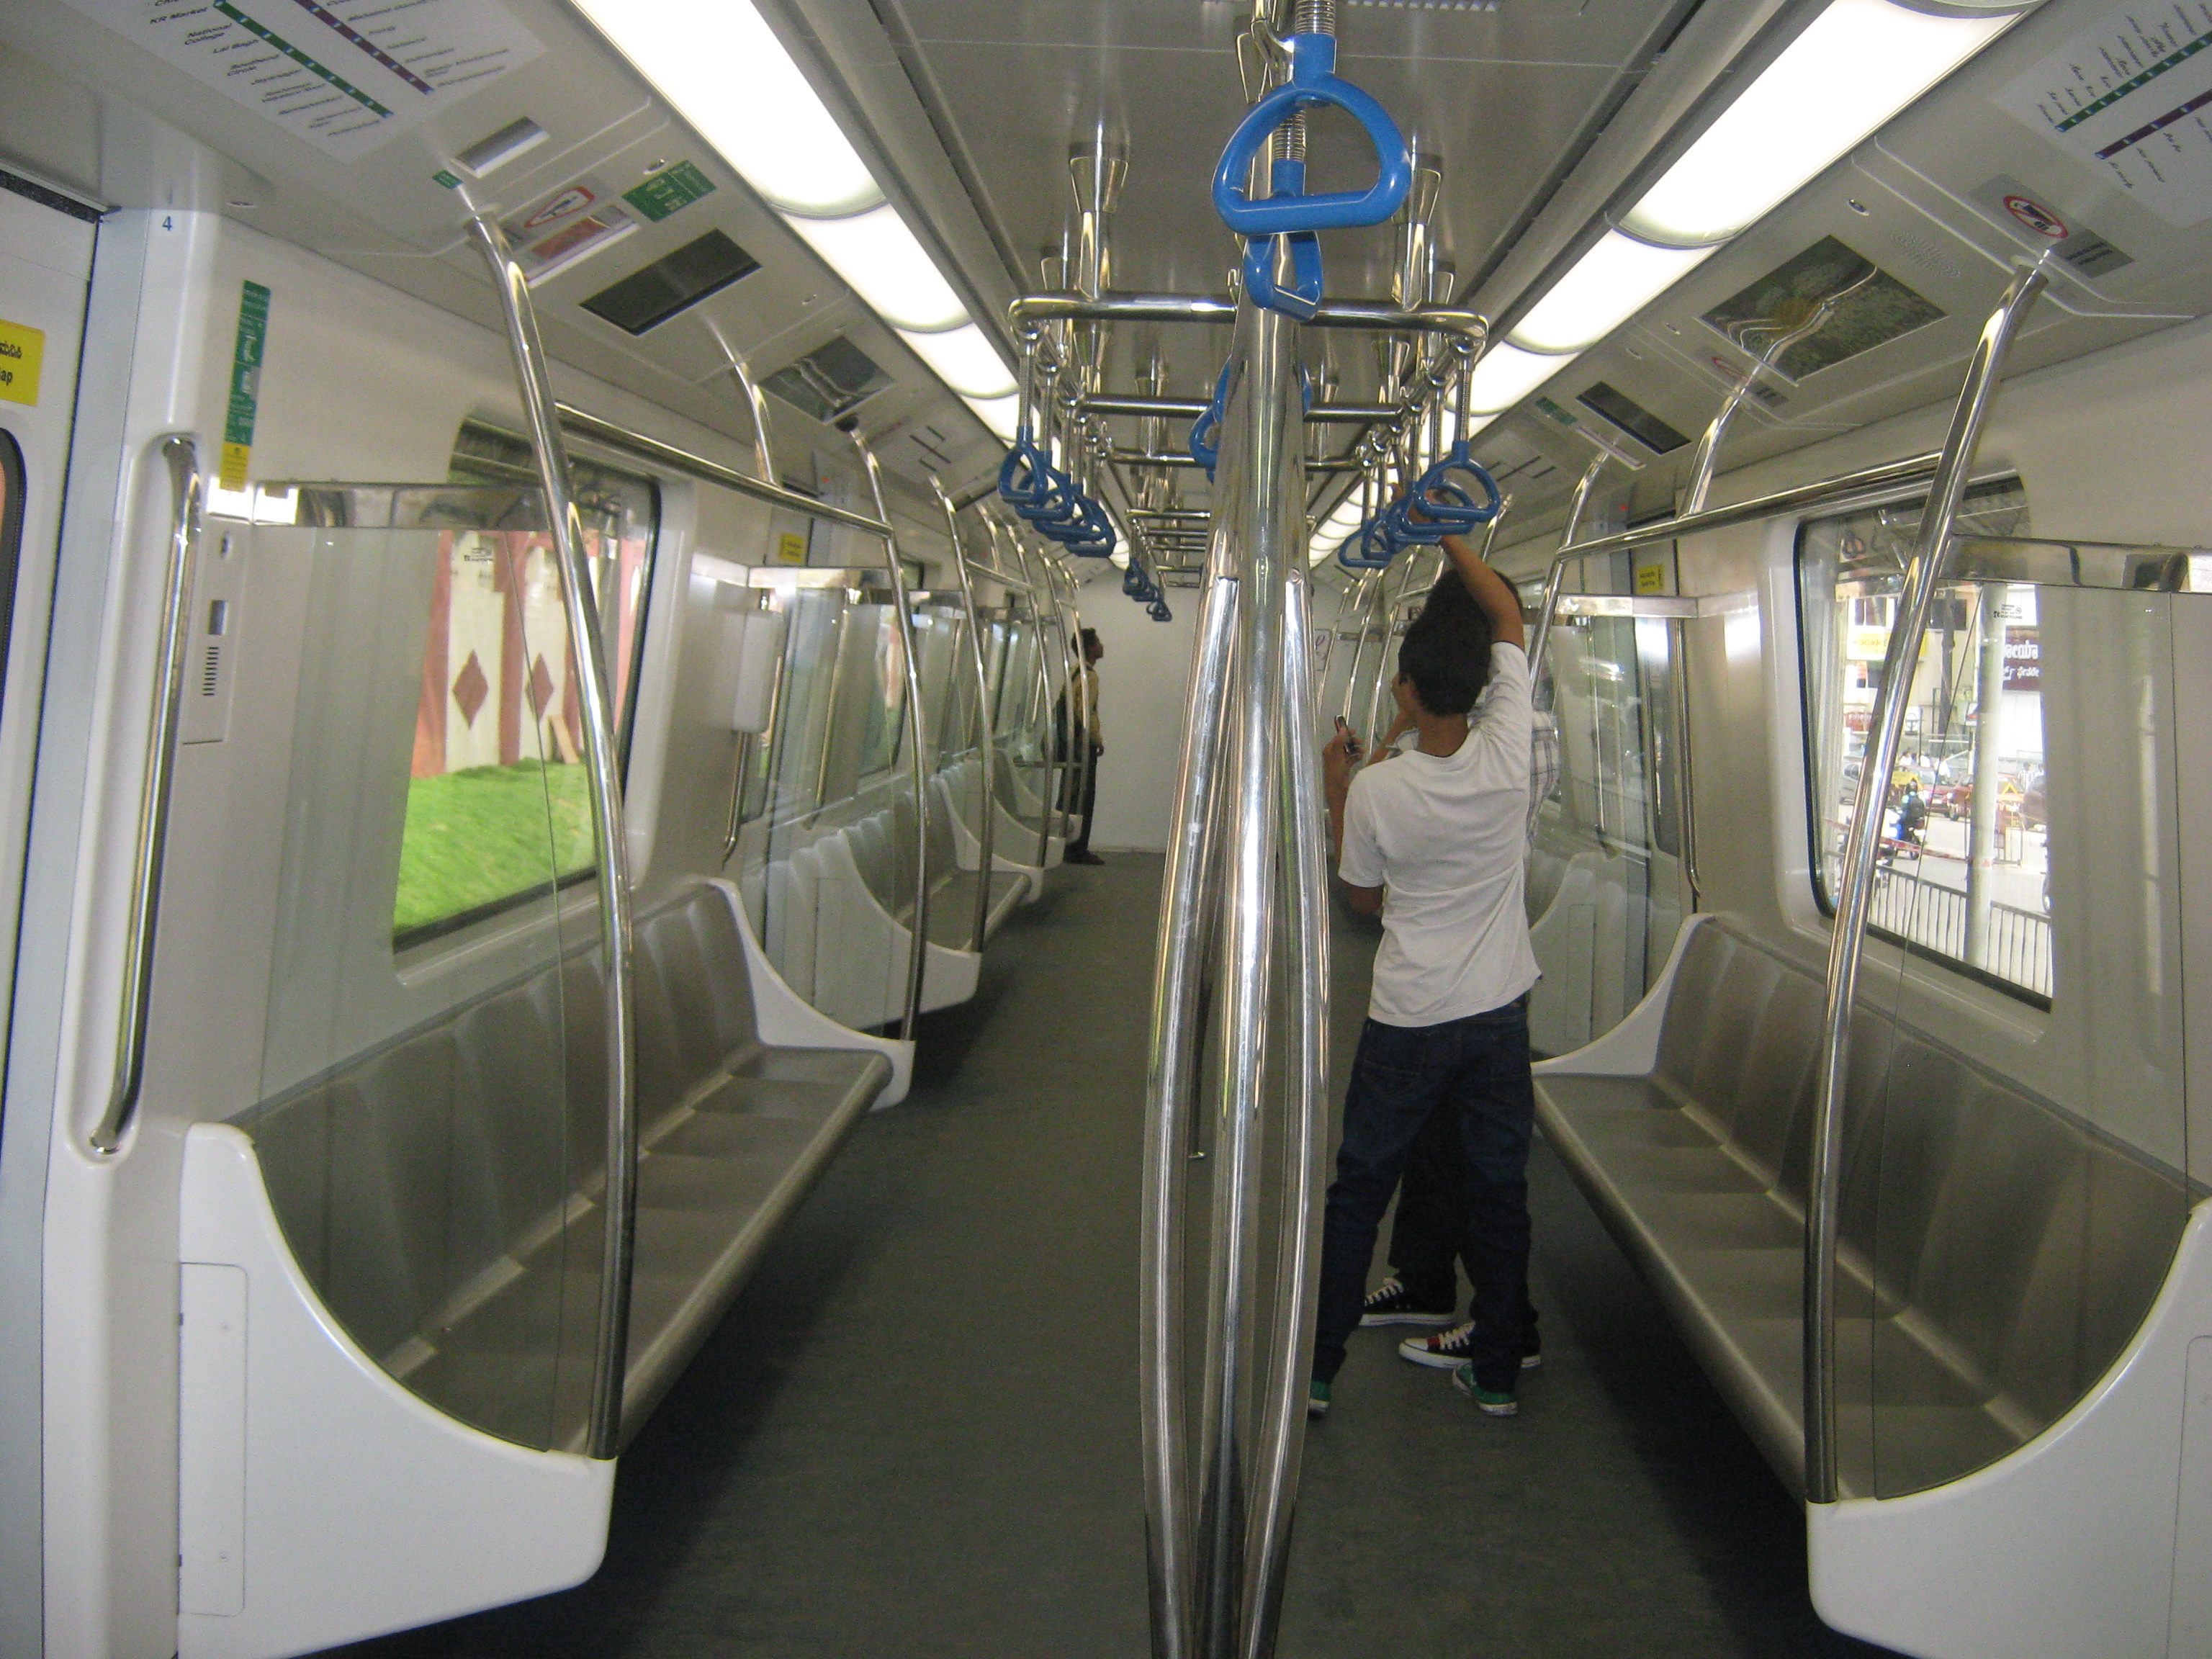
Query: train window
x,y
499,710
882,705
1963,871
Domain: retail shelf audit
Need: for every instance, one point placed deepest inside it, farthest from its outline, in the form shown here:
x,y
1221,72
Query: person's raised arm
x,y
1491,592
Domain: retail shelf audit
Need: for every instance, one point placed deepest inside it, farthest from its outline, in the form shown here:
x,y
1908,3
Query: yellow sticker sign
x,y
22,348
790,549
1651,578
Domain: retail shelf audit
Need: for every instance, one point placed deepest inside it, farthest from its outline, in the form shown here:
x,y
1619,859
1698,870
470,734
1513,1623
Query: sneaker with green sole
x,y
1491,1402
1316,1398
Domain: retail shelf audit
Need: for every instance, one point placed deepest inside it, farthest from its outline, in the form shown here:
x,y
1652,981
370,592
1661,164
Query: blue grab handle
x,y
1303,298
1370,547
1159,612
1204,444
1024,455
1313,81
1463,513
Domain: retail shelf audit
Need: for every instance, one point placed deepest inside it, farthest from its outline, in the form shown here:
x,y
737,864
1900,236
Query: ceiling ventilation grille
x,y
1427,5
829,380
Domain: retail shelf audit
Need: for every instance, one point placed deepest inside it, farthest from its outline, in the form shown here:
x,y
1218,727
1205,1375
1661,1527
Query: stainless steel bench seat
x,y
1997,1252
442,1193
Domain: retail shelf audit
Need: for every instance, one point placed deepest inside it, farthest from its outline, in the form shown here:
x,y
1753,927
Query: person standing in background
x,y
1087,741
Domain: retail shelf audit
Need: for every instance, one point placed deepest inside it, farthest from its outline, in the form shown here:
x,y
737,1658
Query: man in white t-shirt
x,y
1435,840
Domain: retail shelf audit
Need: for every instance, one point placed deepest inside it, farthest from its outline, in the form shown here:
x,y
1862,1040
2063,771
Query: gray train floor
x,y
916,1432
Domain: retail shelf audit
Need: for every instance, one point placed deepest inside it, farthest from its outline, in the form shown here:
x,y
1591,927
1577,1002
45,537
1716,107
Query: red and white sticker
x,y
2037,218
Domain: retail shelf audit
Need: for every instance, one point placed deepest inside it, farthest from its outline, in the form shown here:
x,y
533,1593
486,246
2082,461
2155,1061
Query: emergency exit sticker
x,y
668,192
22,347
245,385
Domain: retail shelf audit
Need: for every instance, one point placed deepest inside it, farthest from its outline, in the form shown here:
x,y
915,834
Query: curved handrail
x,y
1314,83
610,842
917,955
986,744
181,456
1915,604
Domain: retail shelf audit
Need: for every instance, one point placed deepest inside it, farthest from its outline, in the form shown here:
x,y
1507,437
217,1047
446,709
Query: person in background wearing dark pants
x,y
1436,841
1090,743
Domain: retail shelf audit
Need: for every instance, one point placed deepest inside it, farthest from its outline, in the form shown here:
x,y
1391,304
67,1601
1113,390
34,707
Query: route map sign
x,y
346,75
2131,97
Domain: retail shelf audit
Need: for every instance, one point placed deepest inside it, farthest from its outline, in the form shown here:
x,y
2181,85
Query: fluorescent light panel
x,y
1855,65
1505,375
1610,283
724,68
964,360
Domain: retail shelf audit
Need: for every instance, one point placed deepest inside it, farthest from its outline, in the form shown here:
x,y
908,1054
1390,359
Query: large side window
x,y
499,705
1963,868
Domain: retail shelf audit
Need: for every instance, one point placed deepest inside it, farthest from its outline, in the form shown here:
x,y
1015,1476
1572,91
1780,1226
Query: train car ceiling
x,y
679,179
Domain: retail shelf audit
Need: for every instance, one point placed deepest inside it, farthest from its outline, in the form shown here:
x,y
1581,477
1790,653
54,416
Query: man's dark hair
x,y
1446,651
1086,640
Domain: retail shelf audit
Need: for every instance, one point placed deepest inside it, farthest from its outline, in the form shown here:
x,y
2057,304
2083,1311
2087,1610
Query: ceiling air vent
x,y
1867,308
834,378
1632,417
1427,5
673,283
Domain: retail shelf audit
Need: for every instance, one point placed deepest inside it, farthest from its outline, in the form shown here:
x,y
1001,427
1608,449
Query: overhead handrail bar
x,y
986,740
1915,604
1062,305
1189,408
1170,458
180,455
917,954
600,431
610,843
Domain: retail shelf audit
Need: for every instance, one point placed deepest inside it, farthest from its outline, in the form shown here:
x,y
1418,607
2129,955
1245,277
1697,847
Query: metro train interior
x,y
673,984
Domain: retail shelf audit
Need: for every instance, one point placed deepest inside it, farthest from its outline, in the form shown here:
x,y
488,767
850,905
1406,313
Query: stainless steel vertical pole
x,y
1555,579
1916,601
917,956
1186,899
610,842
986,747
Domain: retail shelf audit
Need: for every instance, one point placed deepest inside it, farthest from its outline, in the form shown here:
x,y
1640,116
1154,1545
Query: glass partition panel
x,y
2016,1180
432,1123
1606,889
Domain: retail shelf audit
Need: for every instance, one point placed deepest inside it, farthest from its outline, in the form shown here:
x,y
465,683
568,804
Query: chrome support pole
x,y
1186,899
1055,766
180,456
917,956
1302,872
1823,1221
1555,579
986,747
609,839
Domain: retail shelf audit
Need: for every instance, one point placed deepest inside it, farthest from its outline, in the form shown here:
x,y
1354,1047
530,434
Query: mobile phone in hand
x,y
1351,739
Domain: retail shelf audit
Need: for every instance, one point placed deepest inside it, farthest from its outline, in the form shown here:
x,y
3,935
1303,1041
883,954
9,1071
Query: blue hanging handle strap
x,y
1370,547
1314,83
1205,440
1159,611
1447,502
1287,177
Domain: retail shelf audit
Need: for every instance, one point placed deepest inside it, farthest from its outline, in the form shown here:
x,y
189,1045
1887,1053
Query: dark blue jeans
x,y
1476,1069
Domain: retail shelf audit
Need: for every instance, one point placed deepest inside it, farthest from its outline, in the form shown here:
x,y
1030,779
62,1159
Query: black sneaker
x,y
1454,1347
1389,1304
1081,856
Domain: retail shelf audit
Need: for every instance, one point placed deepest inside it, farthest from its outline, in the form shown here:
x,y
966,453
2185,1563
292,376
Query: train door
x,y
45,264
45,261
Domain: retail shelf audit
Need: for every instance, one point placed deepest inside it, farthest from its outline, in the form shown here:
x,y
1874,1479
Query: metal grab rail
x,y
1555,579
611,843
917,955
622,438
1069,307
181,456
986,742
1916,602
